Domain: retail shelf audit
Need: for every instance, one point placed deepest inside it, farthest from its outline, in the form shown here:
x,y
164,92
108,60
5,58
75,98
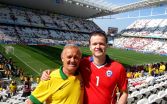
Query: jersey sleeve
x,y
41,93
122,79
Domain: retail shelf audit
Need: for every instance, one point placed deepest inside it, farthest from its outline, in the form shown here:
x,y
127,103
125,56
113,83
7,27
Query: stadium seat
x,y
164,98
145,92
159,87
161,94
136,95
156,85
130,100
132,89
153,98
152,89
143,101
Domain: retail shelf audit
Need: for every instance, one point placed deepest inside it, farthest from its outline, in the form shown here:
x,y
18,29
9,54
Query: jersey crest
x,y
108,73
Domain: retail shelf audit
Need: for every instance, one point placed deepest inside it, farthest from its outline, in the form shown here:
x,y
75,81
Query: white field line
x,y
27,65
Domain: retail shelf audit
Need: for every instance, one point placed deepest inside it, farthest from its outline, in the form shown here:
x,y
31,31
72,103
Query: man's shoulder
x,y
85,59
55,73
116,63
117,66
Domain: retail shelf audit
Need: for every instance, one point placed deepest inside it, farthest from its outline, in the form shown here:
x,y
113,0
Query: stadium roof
x,y
138,5
76,8
83,8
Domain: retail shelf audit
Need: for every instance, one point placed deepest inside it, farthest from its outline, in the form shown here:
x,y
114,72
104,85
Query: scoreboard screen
x,y
112,31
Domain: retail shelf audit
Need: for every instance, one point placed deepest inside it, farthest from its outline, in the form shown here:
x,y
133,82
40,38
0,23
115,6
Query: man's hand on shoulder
x,y
45,75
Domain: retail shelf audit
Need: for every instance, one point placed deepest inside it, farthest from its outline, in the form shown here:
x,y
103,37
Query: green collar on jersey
x,y
62,74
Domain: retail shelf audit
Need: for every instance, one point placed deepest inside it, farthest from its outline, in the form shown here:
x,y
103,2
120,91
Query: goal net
x,y
9,50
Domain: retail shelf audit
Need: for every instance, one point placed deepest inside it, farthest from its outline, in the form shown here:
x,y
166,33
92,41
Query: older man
x,y
58,90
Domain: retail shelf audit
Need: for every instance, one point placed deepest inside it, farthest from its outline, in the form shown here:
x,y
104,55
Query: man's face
x,y
71,59
98,46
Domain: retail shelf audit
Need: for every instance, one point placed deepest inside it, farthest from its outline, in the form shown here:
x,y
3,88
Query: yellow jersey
x,y
129,74
162,68
1,88
60,89
12,88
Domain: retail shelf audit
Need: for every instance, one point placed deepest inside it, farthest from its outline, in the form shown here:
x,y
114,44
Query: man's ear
x,y
62,59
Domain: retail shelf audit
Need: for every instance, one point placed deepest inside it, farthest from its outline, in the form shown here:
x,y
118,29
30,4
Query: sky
x,y
121,21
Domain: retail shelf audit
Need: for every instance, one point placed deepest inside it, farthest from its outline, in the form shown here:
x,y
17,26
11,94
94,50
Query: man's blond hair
x,y
71,46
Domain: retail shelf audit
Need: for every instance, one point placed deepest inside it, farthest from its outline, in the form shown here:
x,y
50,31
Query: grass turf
x,y
34,59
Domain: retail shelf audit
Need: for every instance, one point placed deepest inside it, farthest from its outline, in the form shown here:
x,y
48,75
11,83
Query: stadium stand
x,y
27,26
149,94
20,25
147,35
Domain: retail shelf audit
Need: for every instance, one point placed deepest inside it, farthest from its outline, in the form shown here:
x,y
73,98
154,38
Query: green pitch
x,y
35,59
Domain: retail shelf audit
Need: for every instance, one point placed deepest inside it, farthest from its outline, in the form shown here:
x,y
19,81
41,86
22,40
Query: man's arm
x,y
123,98
122,85
41,92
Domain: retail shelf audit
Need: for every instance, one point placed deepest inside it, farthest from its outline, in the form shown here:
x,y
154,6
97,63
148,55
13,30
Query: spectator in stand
x,y
12,88
26,87
162,68
101,74
1,65
137,74
150,68
8,73
31,80
7,91
22,79
142,73
129,74
37,80
155,70
1,87
21,72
